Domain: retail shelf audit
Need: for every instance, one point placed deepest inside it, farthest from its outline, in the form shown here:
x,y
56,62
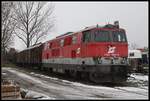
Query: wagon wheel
x,y
95,77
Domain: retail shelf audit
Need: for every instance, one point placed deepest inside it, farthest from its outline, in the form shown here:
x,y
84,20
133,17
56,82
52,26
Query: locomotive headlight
x,y
124,60
99,60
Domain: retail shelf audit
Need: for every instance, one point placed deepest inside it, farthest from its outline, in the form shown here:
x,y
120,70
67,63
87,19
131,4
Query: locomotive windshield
x,y
119,36
104,36
96,36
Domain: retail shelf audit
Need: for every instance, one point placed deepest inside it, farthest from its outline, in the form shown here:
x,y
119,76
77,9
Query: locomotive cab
x,y
110,43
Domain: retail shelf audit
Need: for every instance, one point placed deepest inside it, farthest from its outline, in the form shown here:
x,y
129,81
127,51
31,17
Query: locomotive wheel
x,y
84,75
73,73
95,77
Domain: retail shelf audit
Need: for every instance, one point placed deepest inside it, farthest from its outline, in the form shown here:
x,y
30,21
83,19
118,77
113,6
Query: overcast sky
x,y
74,16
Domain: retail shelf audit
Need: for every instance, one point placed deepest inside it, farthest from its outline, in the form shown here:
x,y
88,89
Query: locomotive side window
x,y
74,39
62,42
131,54
50,45
102,36
67,41
119,36
46,46
87,36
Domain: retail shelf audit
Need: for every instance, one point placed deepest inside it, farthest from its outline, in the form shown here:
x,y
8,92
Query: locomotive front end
x,y
107,48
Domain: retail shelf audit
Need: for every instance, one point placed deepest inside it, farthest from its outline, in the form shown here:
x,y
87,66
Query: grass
x,y
8,65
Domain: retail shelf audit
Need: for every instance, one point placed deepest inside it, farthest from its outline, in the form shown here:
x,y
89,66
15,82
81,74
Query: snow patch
x,y
73,83
66,81
32,73
99,90
25,76
4,73
139,77
40,75
134,89
36,95
89,86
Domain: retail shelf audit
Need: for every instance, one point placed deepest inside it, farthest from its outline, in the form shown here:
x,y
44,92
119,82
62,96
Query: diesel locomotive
x,y
99,53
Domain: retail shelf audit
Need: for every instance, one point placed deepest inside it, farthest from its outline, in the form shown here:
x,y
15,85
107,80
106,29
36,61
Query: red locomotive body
x,y
97,52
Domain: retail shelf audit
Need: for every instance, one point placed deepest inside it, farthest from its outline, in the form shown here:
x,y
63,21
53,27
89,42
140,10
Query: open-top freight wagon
x,y
31,56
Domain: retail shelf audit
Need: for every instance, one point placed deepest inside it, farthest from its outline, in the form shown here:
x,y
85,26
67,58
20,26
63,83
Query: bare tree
x,y
8,26
34,21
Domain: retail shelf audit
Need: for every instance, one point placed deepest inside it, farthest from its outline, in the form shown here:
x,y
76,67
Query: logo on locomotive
x,y
111,49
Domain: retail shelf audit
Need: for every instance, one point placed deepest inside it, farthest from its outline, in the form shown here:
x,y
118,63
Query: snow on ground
x,y
43,76
133,78
139,80
25,76
36,95
116,92
70,82
134,90
31,79
79,90
3,73
126,89
138,76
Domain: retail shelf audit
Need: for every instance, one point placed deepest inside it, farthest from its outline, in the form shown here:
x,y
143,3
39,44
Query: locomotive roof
x,y
85,29
71,33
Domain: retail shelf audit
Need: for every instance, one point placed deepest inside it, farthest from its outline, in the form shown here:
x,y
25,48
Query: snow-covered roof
x,y
134,54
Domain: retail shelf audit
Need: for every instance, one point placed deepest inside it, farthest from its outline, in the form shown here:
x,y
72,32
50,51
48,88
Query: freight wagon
x,y
31,56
